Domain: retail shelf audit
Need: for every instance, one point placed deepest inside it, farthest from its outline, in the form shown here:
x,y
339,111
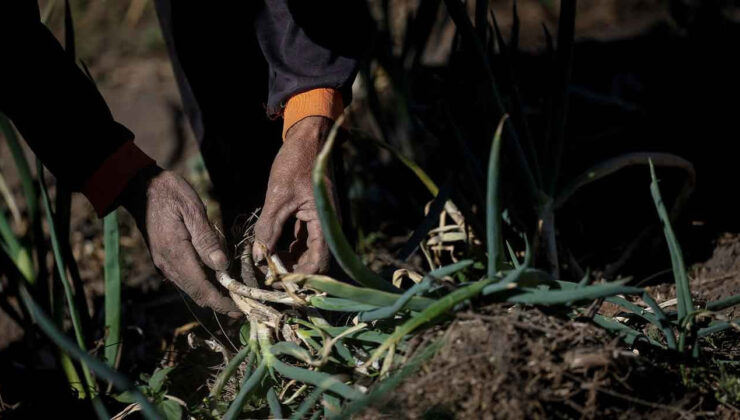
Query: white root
x,y
256,311
255,293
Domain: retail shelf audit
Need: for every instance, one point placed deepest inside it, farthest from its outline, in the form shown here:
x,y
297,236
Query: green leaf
x,y
291,349
559,297
339,305
438,308
361,294
417,289
723,303
250,382
112,288
126,397
494,238
171,409
74,312
272,400
629,335
316,378
683,291
718,326
244,334
231,367
67,345
363,335
338,244
382,388
159,377
24,170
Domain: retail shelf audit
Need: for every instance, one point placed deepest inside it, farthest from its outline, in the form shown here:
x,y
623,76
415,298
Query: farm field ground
x,y
636,67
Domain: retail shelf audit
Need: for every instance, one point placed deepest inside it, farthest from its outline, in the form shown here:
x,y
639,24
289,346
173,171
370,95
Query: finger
x,y
316,258
300,235
182,267
269,227
205,239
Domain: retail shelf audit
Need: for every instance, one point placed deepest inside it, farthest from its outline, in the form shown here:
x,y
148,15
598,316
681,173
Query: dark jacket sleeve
x,y
310,44
53,104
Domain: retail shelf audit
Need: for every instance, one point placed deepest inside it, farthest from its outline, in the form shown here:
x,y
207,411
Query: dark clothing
x,y
229,62
232,67
53,104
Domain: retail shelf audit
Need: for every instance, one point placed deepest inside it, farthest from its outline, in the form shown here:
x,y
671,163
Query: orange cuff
x,y
321,102
109,180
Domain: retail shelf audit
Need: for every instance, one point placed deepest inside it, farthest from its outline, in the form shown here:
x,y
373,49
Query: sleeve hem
x,y
321,102
110,179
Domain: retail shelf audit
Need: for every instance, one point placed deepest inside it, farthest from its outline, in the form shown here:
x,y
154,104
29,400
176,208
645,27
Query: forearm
x,y
59,111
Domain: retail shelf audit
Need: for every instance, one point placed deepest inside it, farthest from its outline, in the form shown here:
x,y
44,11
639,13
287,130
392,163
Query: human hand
x,y
181,240
290,193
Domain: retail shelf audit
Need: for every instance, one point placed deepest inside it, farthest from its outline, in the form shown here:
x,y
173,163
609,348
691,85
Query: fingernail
x,y
258,254
235,315
218,259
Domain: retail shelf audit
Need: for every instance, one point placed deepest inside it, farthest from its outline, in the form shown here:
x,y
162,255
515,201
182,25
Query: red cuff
x,y
109,180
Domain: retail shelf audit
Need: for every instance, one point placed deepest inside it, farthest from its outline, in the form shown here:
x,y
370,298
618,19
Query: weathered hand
x,y
289,193
173,220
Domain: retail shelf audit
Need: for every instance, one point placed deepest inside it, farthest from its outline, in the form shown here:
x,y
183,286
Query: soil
x,y
510,362
717,278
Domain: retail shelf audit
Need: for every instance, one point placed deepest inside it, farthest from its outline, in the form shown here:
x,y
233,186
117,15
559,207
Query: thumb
x,y
269,227
206,241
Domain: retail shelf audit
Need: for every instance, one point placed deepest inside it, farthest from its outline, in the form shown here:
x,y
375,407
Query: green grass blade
x,y
112,288
659,319
717,327
9,200
459,16
338,244
338,304
512,255
69,347
291,349
309,402
613,165
14,248
559,109
425,179
24,170
30,192
436,309
384,387
450,269
229,370
683,291
559,297
723,303
361,294
62,273
364,335
389,311
417,289
629,335
494,239
316,378
272,400
247,387
48,11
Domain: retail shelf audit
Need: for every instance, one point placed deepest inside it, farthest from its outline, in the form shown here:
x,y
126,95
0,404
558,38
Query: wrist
x,y
312,130
134,196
